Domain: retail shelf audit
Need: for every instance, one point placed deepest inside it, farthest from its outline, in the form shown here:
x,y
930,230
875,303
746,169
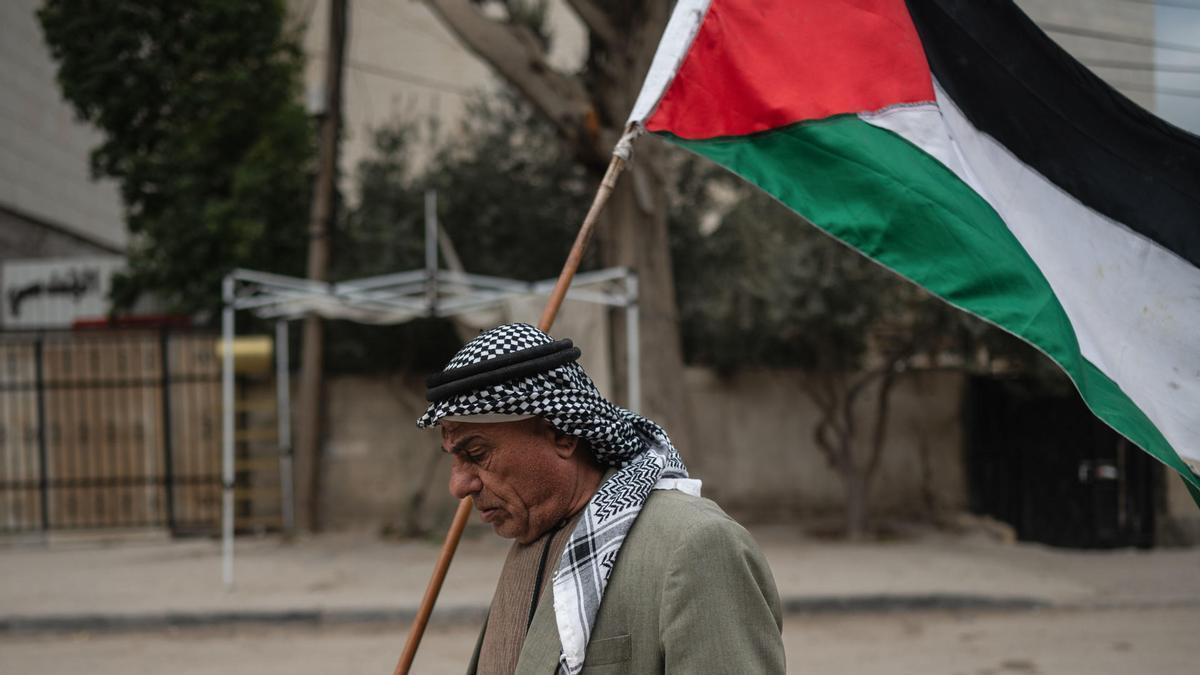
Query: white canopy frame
x,y
387,299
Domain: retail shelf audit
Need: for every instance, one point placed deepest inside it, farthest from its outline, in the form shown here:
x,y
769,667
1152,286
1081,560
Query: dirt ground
x,y
1059,642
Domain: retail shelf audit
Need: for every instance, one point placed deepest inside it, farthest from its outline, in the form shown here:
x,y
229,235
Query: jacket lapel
x,y
473,666
539,654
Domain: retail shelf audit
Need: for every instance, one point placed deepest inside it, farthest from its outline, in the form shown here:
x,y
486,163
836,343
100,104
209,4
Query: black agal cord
x,y
503,368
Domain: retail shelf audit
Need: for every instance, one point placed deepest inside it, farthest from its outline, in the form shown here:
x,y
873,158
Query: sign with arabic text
x,y
55,292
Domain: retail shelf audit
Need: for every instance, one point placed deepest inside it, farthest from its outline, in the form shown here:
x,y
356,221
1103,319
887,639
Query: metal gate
x,y
1041,462
109,429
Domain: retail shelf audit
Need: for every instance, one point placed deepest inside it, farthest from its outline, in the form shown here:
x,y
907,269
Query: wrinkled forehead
x,y
499,425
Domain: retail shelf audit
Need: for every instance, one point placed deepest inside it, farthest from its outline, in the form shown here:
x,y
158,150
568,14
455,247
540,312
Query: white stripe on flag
x,y
1135,305
676,41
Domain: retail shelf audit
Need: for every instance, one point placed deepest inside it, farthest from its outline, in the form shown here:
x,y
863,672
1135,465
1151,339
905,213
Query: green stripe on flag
x,y
890,200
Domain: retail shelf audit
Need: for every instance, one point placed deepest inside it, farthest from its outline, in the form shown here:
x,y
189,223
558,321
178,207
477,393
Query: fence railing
x,y
109,429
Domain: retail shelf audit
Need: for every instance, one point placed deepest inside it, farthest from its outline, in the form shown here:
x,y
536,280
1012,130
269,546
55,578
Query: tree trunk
x,y
312,366
855,482
633,232
634,235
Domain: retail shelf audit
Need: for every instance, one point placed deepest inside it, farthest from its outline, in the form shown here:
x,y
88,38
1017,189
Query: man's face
x,y
518,473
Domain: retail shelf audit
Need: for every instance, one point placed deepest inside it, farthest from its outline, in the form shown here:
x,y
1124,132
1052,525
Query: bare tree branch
x,y
826,397
881,421
519,58
836,449
596,19
826,444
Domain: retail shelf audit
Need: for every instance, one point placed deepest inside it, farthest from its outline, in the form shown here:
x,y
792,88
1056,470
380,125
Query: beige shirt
x,y
513,604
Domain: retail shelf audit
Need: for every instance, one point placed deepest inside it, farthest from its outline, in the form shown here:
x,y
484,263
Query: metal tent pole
x,y
633,349
431,251
227,475
283,413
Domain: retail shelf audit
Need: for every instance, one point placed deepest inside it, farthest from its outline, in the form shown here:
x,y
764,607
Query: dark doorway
x,y
1040,461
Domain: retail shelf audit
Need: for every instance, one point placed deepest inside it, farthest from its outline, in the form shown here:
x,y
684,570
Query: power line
x,y
1171,91
1134,65
1117,37
409,78
398,23
1165,3
403,76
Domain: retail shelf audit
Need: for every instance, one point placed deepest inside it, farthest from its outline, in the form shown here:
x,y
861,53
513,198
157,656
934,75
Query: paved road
x,y
352,571
1058,642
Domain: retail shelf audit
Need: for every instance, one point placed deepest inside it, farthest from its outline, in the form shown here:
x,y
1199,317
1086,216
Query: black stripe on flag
x,y
1015,84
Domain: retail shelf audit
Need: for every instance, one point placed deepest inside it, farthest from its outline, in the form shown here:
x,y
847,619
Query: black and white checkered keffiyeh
x,y
639,449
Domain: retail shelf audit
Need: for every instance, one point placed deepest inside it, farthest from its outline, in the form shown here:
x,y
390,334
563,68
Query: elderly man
x,y
618,564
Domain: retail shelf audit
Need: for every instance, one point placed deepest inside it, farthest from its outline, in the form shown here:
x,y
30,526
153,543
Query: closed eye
x,y
471,449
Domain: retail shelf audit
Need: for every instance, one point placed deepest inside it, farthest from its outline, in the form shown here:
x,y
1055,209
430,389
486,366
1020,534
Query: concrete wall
x,y
44,174
754,450
757,456
376,459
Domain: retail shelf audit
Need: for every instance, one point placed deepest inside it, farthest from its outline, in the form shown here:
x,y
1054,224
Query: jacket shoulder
x,y
670,515
673,524
690,579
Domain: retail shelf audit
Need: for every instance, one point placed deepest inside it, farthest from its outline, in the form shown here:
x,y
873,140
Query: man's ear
x,y
564,444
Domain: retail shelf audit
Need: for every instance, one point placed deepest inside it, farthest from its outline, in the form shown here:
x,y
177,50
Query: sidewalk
x,y
94,585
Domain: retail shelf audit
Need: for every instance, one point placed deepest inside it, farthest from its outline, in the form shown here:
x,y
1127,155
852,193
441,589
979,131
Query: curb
x,y
465,614
861,604
457,615
152,621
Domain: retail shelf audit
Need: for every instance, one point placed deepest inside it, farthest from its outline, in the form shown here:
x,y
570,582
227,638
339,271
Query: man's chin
x,y
500,522
507,529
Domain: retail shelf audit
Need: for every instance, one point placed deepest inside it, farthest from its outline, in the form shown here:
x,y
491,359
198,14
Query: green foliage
x,y
509,198
767,289
385,231
197,103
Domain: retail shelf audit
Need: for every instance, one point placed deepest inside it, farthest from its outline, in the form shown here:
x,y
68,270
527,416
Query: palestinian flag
x,y
954,143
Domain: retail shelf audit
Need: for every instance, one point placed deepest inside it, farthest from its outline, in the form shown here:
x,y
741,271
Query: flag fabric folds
x,y
954,143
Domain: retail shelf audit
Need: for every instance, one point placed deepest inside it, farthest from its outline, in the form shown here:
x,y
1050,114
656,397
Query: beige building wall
x,y
48,201
402,63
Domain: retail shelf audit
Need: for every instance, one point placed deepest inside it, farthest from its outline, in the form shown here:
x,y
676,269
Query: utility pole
x,y
310,418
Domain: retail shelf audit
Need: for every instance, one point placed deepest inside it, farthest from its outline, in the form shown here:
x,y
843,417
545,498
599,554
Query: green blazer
x,y
691,593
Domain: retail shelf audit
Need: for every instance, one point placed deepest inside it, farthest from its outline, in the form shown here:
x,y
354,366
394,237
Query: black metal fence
x,y
109,429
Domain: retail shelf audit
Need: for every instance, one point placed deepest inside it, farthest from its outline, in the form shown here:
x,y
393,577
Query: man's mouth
x,y
489,514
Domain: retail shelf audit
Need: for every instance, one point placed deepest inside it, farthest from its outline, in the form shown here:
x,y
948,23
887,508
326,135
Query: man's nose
x,y
464,479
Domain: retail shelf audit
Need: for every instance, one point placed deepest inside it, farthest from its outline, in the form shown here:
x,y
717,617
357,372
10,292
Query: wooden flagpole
x,y
463,514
